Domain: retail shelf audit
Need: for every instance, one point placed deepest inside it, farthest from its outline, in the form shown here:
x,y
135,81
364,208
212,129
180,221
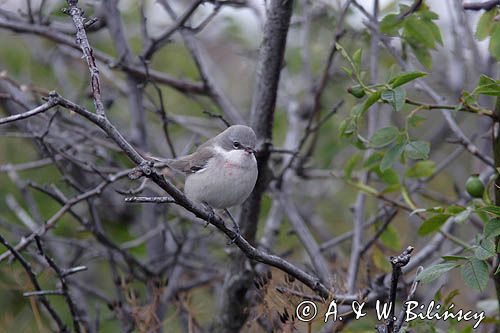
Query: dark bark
x,y
233,310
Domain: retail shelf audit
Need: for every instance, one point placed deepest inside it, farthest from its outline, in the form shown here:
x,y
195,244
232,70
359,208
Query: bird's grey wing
x,y
195,162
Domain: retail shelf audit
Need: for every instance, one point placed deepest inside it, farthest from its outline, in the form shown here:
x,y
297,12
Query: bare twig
x,y
64,286
199,57
150,199
135,70
27,267
307,239
397,263
155,43
81,39
411,295
39,109
486,5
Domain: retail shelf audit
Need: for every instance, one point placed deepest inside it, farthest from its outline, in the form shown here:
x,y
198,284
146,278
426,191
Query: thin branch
x,y
413,8
47,32
306,239
81,39
397,263
43,292
150,199
155,43
411,295
64,286
200,59
144,167
27,267
39,109
51,222
486,5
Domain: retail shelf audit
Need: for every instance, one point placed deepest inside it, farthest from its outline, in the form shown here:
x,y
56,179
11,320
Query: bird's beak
x,y
249,150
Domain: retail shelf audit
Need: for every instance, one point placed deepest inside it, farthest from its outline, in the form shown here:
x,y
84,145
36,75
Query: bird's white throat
x,y
238,158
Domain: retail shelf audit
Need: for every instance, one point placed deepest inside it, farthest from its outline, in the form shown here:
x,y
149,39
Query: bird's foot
x,y
236,229
211,214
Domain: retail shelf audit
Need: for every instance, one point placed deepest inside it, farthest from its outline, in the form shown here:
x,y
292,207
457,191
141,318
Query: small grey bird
x,y
222,172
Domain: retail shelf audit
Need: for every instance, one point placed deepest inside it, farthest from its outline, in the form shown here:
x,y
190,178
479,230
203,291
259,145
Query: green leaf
x,y
390,25
348,127
344,54
485,80
389,176
390,238
372,99
373,160
495,210
347,70
350,165
391,188
423,55
396,97
494,46
384,137
486,23
455,209
436,33
432,224
357,110
475,274
433,272
462,216
419,31
436,209
491,228
421,169
415,120
417,149
454,258
405,78
379,260
485,249
391,156
356,58
487,86
426,14
449,298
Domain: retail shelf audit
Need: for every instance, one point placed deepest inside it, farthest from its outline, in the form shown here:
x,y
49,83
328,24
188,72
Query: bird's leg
x,y
211,214
236,226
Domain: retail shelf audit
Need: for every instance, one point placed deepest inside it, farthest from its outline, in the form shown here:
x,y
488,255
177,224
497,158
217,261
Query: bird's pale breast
x,y
227,180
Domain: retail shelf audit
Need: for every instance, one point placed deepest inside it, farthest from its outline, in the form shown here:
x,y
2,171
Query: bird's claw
x,y
211,214
236,229
237,234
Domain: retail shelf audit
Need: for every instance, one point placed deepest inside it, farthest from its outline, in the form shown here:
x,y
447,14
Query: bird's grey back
x,y
193,162
197,160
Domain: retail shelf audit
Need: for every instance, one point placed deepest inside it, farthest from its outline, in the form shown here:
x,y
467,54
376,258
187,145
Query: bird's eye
x,y
236,145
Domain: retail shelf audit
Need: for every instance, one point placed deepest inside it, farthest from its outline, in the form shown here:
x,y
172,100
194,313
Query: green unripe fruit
x,y
474,186
357,91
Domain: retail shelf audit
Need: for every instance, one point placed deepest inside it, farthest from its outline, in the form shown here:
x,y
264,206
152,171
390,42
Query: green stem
x,y
455,240
467,108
